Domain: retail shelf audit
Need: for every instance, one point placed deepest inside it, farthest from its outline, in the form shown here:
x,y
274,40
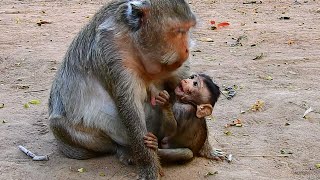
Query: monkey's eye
x,y
195,83
193,76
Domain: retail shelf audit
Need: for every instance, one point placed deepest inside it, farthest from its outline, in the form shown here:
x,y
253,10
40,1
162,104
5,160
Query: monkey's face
x,y
177,38
169,48
193,90
162,36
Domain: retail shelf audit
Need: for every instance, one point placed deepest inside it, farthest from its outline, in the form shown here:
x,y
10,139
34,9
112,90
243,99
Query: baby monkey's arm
x,y
169,124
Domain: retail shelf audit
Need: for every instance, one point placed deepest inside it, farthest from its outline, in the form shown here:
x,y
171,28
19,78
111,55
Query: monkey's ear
x,y
136,13
203,110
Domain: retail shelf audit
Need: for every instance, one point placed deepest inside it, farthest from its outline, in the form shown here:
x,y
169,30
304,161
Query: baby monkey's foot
x,y
151,141
218,155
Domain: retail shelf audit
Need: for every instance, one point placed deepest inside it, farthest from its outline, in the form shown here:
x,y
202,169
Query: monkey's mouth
x,y
179,90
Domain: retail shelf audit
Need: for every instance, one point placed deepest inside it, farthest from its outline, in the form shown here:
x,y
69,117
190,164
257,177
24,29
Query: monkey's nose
x,y
183,81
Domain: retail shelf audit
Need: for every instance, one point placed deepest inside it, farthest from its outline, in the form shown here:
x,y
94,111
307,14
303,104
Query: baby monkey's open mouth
x,y
179,90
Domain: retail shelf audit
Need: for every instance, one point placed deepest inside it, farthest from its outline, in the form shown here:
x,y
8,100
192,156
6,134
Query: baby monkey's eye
x,y
192,76
195,83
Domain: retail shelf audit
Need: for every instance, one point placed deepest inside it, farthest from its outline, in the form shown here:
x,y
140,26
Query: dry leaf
x,y
290,42
213,27
206,40
210,173
81,170
1,105
26,105
34,101
252,2
257,106
258,57
282,151
236,123
23,87
223,24
43,22
17,64
18,20
268,78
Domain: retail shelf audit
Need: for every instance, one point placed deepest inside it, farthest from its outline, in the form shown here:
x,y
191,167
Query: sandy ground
x,y
286,78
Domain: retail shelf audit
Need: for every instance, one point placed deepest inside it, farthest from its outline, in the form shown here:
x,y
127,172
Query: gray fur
x,y
96,104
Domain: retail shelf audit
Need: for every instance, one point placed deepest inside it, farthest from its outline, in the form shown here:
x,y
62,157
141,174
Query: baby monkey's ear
x,y
204,110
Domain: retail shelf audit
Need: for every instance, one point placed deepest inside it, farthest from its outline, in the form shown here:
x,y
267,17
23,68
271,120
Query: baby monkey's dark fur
x,y
184,135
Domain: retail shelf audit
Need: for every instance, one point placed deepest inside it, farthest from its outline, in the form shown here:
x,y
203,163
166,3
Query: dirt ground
x,y
269,58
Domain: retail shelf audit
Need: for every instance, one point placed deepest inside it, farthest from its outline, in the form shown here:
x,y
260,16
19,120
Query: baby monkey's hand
x,y
163,98
151,141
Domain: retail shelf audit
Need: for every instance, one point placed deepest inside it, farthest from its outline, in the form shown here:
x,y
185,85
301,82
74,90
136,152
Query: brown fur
x,y
184,132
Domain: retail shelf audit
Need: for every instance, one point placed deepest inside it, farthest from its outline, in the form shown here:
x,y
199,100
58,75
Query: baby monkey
x,y
184,132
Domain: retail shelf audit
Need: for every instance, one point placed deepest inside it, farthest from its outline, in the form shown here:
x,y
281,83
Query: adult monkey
x,y
99,96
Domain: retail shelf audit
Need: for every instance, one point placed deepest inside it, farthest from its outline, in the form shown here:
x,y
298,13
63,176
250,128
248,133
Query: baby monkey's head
x,y
200,91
